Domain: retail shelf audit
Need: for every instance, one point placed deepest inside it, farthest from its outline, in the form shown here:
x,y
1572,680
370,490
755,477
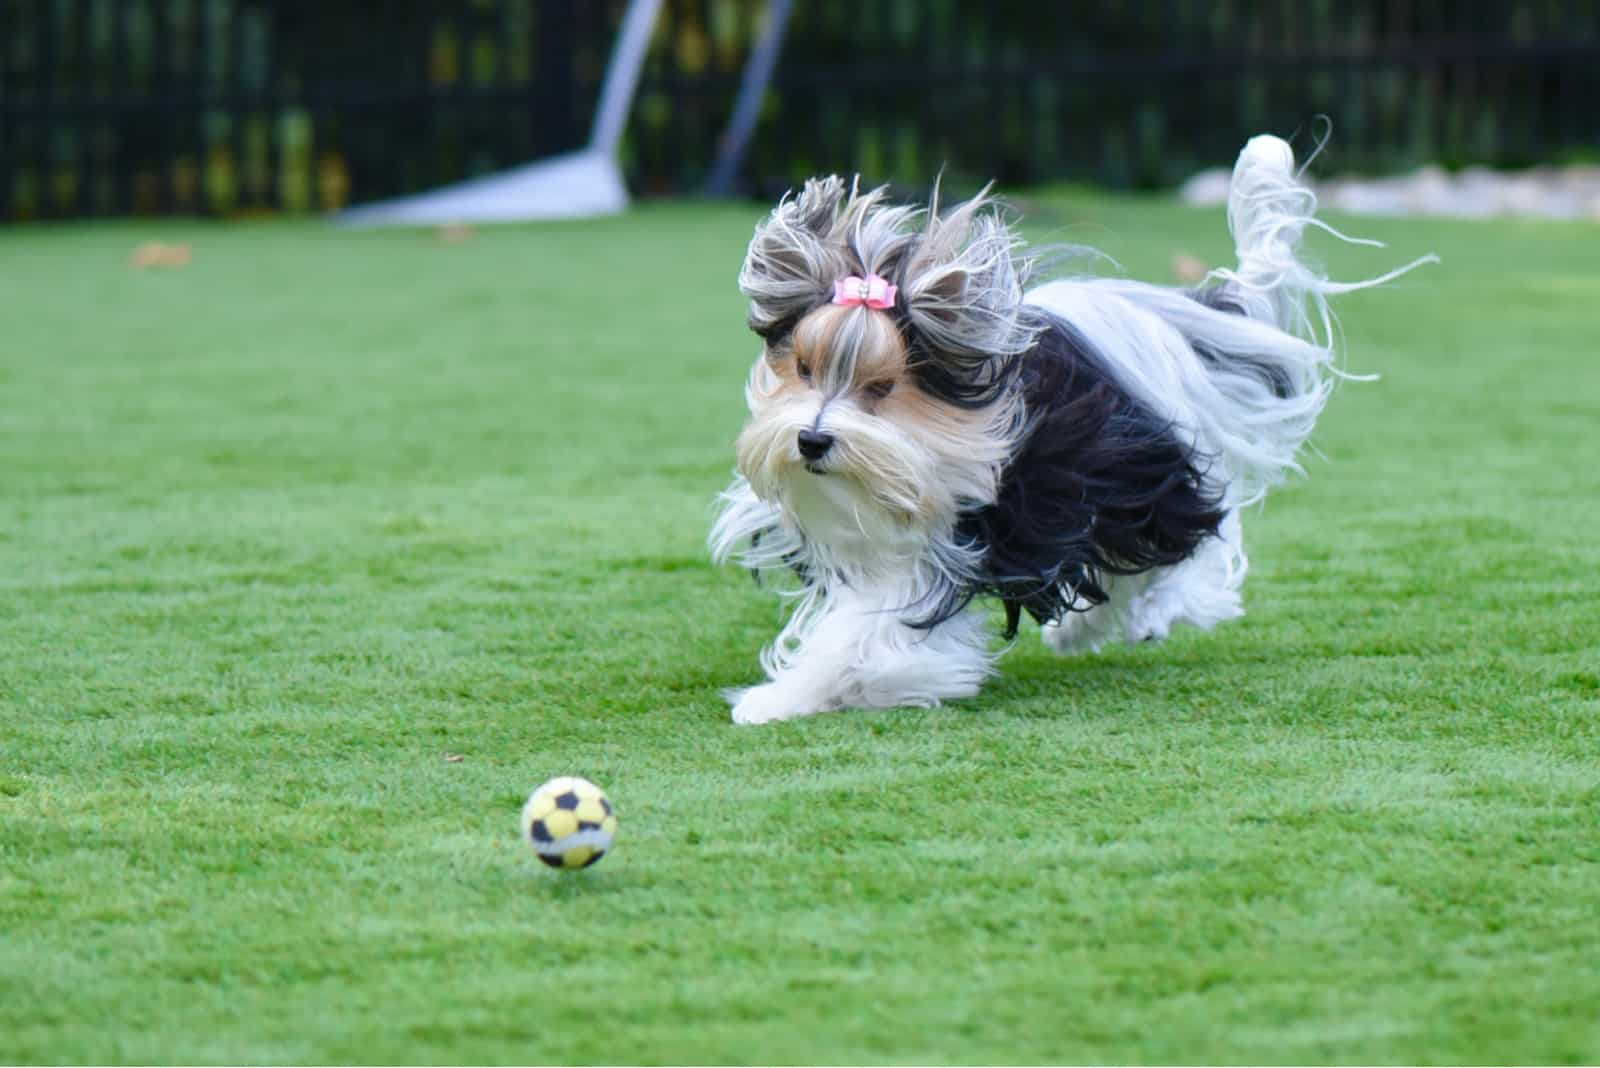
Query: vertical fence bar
x,y
124,112
11,151
13,28
240,107
557,23
987,79
90,102
270,104
44,123
10,32
930,111
418,97
198,98
159,89
81,104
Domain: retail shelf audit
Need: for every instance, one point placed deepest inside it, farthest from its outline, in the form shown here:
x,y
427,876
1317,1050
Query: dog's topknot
x,y
959,275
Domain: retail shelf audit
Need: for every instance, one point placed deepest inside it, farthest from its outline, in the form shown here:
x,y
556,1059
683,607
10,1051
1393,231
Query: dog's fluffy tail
x,y
1269,209
1245,363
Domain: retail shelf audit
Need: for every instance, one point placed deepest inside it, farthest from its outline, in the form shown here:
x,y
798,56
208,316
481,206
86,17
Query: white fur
x,y
845,643
848,648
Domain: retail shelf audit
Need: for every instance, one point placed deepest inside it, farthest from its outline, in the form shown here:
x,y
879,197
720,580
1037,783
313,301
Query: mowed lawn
x,y
318,554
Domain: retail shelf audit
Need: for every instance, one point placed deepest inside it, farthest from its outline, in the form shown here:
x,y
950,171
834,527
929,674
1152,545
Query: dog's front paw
x,y
768,704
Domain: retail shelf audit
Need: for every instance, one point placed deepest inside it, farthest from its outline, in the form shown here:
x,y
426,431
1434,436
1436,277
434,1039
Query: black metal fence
x,y
234,106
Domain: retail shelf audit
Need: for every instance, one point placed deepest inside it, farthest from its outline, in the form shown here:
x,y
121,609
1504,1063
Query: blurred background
x,y
233,107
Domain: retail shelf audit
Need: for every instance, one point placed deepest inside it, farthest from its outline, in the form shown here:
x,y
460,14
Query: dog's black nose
x,y
814,444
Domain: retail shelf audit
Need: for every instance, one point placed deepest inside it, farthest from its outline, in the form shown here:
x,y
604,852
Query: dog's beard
x,y
893,480
869,496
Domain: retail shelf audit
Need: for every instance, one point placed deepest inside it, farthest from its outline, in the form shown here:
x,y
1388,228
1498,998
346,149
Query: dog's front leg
x,y
810,664
853,651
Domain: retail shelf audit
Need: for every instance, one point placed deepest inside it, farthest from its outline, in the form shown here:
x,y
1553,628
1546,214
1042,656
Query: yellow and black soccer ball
x,y
569,822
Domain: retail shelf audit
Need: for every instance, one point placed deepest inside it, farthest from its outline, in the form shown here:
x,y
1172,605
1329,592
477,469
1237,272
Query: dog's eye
x,y
803,369
879,390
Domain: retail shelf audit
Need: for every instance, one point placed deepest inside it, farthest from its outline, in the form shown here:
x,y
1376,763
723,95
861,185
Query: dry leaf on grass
x,y
1188,269
159,254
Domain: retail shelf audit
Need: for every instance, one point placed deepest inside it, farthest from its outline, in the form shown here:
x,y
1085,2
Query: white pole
x,y
622,76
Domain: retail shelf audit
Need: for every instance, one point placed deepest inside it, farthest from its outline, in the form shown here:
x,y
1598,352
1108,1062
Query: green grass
x,y
281,530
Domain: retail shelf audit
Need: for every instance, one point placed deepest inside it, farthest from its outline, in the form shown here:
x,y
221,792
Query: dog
x,y
926,431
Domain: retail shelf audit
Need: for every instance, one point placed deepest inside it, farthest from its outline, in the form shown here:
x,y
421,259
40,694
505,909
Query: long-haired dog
x,y
923,433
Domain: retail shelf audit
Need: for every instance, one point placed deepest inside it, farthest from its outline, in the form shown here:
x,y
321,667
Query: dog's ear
x,y
963,286
791,265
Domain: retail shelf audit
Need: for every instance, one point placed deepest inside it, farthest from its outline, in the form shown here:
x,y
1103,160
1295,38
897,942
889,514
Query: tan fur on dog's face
x,y
846,371
841,350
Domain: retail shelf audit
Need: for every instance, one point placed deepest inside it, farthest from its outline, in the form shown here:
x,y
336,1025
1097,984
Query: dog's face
x,y
869,422
835,400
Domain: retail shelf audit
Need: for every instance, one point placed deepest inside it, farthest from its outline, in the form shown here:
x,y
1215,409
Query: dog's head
x,y
885,395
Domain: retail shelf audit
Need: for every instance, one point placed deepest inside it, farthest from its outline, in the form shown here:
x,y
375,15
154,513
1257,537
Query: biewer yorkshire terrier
x,y
925,432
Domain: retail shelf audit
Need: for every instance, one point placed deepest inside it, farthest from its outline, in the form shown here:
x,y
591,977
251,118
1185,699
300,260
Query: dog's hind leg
x,y
1202,591
1087,627
850,649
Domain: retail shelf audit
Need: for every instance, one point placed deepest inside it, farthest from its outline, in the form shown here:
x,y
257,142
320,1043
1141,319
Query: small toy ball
x,y
569,822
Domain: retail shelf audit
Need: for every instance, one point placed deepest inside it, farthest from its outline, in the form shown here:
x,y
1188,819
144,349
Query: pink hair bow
x,y
873,291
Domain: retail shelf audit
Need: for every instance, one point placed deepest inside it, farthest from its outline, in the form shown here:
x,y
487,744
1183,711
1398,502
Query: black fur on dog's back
x,y
1099,485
